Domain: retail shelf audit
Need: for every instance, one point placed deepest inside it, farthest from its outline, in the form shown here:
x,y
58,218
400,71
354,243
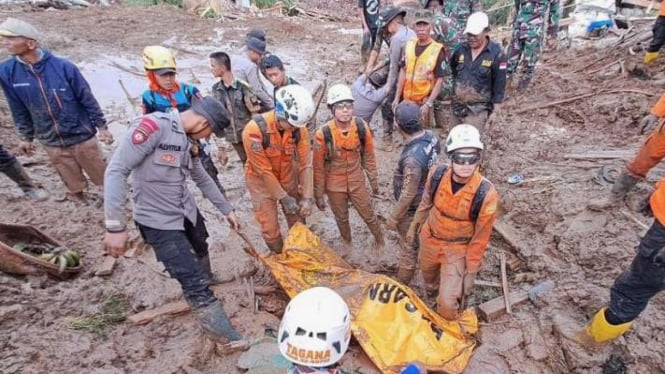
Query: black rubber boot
x,y
17,173
216,323
212,278
624,183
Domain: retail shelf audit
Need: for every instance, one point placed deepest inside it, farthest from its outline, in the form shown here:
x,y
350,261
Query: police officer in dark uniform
x,y
160,152
479,75
421,151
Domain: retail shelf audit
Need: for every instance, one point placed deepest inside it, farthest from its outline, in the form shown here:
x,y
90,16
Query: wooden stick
x,y
605,66
635,219
504,282
127,95
127,70
574,98
481,282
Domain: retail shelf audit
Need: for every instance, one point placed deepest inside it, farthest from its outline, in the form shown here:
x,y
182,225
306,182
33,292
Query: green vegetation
x,y
114,311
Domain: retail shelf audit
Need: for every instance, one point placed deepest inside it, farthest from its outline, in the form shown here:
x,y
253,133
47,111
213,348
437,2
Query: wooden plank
x,y
508,234
170,309
179,307
106,268
495,308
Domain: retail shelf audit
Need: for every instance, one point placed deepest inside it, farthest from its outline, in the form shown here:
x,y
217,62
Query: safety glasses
x,y
465,158
346,105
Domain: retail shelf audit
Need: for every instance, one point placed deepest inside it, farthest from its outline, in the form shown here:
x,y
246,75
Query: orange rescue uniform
x,y
340,173
451,244
282,168
653,149
419,70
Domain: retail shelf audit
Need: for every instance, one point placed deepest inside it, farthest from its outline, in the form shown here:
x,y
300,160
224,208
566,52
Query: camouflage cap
x,y
388,14
423,16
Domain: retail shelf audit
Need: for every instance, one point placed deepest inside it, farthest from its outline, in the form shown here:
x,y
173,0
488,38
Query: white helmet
x,y
294,104
316,328
463,136
338,93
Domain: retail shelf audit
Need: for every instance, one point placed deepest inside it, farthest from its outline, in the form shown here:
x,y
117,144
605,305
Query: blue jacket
x,y
50,101
157,102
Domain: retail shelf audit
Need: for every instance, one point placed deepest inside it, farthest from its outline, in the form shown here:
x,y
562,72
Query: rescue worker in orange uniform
x,y
645,278
454,221
423,67
343,155
651,153
279,162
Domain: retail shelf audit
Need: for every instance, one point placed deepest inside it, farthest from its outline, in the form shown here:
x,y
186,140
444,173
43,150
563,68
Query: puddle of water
x,y
104,77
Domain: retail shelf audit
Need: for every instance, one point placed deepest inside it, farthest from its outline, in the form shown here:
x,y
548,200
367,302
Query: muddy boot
x,y
216,323
276,247
212,278
624,183
17,173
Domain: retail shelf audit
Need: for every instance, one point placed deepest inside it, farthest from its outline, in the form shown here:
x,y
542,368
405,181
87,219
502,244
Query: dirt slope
x,y
582,251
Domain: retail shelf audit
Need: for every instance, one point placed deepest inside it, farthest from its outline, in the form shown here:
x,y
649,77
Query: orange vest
x,y
657,202
449,219
420,71
344,166
280,158
661,10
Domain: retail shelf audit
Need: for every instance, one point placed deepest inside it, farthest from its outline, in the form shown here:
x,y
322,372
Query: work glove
x,y
321,203
305,207
289,204
650,57
468,282
648,123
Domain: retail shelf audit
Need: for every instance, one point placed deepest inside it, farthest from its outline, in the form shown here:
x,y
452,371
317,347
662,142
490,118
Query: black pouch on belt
x,y
460,110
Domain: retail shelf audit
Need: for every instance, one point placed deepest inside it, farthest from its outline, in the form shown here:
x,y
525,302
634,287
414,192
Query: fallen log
x,y
603,155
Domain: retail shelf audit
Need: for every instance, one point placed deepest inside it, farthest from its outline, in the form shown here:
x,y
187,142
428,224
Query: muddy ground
x,y
580,250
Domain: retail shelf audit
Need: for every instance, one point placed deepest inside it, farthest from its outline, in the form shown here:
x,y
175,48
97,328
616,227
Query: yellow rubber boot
x,y
601,331
650,57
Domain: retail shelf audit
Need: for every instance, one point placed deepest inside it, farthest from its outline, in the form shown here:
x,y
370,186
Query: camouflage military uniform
x,y
460,10
525,46
446,31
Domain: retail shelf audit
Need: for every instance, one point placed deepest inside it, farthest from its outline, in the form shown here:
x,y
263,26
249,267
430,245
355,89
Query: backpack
x,y
328,138
263,126
478,198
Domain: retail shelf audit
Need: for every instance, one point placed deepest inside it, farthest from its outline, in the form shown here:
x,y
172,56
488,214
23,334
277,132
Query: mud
x,y
580,250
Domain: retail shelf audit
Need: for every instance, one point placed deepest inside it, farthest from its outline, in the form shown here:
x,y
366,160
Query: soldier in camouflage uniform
x,y
460,10
446,31
525,46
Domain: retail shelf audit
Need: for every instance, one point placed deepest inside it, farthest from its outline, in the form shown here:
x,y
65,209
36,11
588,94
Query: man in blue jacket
x,y
51,101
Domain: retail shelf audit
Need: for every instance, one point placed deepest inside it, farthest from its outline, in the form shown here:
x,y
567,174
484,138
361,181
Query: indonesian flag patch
x,y
503,65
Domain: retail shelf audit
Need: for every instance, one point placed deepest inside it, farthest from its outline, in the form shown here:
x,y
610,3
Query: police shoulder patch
x,y
143,131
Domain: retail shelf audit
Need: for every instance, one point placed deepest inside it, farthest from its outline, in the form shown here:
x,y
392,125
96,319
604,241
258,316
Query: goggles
x,y
465,158
344,105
